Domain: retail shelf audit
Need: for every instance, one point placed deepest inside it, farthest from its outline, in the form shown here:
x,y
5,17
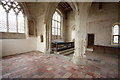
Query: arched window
x,y
116,35
56,24
11,17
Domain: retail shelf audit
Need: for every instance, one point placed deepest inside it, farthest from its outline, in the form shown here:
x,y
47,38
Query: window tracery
x,y
12,19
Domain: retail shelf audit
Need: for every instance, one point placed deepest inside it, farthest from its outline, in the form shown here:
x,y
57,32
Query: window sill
x,y
6,35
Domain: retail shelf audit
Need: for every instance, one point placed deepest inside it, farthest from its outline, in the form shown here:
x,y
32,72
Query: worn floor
x,y
39,65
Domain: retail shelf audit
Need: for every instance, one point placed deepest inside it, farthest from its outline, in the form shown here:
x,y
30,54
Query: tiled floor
x,y
40,65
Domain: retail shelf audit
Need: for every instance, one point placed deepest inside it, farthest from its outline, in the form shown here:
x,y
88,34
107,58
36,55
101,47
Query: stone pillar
x,y
50,37
79,56
47,38
48,20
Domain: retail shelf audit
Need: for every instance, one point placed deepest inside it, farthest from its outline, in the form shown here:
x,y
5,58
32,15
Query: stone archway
x,y
48,18
81,10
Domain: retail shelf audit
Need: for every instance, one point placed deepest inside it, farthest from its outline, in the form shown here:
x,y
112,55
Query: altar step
x,y
66,52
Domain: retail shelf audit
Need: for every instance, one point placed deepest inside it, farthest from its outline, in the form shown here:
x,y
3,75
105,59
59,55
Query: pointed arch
x,y
48,18
52,6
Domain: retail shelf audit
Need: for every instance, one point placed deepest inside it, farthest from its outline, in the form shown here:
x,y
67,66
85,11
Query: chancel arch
x,y
81,12
48,20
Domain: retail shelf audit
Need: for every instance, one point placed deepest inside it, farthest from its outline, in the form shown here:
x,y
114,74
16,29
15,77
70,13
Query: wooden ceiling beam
x,y
65,7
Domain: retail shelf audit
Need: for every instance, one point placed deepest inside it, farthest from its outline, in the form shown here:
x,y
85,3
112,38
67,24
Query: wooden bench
x,y
62,46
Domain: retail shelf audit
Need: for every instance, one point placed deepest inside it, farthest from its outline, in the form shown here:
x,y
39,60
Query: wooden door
x,y
90,40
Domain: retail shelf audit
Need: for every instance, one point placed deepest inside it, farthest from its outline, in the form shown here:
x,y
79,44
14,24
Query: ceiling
x,y
65,7
100,4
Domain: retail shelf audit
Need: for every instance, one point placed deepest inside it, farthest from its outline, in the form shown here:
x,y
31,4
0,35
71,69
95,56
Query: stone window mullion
x,y
7,21
17,22
57,25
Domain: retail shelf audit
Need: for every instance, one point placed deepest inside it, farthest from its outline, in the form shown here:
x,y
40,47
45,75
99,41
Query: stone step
x,y
89,49
68,53
61,52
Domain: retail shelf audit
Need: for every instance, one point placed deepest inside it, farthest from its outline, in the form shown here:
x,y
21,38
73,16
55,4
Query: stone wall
x,y
70,27
100,22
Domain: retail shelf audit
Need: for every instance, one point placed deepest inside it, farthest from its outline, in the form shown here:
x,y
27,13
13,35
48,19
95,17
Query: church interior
x,y
59,39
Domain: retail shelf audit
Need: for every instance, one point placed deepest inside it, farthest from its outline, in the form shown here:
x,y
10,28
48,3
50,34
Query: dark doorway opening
x,y
90,40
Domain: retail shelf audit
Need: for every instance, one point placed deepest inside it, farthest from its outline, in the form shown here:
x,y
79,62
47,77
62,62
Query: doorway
x,y
90,40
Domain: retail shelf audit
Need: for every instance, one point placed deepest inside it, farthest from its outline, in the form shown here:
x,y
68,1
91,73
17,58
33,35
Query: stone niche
x,y
32,28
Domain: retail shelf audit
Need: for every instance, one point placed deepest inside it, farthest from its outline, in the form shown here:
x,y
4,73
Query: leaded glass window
x,y
12,21
56,24
3,21
12,17
116,35
20,23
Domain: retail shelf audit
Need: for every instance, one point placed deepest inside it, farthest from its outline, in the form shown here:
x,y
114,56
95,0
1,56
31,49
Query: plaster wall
x,y
41,30
37,11
16,46
100,22
69,29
